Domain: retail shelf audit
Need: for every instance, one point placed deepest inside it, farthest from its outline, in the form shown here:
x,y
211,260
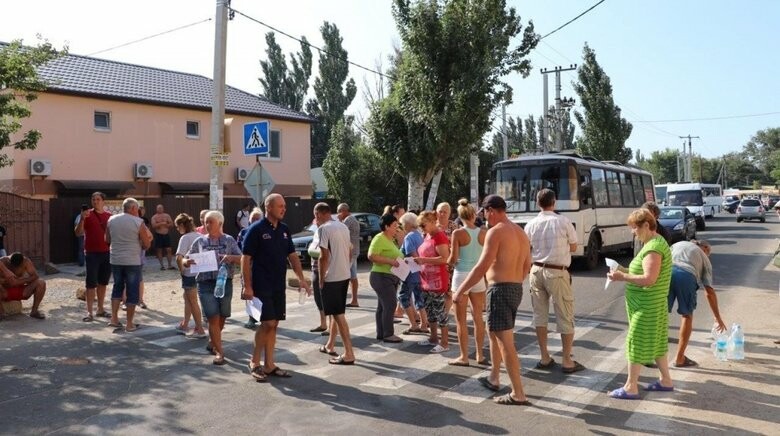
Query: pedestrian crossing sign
x,y
256,138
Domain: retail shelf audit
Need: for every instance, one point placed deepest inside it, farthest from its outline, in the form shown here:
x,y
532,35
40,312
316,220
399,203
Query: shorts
x,y
15,293
213,306
274,306
503,299
127,280
683,289
334,297
162,241
549,283
434,307
98,269
459,277
188,282
409,289
353,268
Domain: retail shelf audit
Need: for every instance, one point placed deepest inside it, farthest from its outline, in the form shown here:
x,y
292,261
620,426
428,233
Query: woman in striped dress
x,y
647,286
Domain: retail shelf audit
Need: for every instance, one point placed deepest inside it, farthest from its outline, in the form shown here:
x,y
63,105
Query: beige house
x,y
138,131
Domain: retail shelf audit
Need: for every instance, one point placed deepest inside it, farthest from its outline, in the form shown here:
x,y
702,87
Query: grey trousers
x,y
386,287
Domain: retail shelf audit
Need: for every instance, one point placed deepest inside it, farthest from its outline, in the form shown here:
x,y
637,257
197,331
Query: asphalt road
x,y
154,382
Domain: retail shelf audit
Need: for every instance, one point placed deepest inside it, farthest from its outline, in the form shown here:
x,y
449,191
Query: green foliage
x,y
280,85
444,90
531,138
333,92
604,131
514,134
663,165
561,126
19,85
763,151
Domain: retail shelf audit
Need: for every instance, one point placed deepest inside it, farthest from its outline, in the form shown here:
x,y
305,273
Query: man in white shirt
x,y
334,266
354,236
553,239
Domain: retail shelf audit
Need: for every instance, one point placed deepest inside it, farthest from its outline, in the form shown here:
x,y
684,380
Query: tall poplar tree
x,y
604,131
283,86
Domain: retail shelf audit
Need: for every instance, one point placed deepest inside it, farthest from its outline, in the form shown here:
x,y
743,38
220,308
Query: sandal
x,y
546,366
340,361
576,368
103,314
439,349
87,318
37,315
279,372
414,331
220,360
117,325
329,353
257,373
509,400
318,329
686,363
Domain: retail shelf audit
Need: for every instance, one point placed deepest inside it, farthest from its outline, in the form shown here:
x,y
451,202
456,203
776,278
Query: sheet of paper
x,y
613,265
254,308
414,267
204,262
402,270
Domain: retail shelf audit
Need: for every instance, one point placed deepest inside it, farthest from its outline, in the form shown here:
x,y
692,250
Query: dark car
x,y
369,227
679,221
730,203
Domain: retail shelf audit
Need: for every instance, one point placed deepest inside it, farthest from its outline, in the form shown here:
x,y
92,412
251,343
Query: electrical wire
x,y
572,20
149,37
728,117
321,50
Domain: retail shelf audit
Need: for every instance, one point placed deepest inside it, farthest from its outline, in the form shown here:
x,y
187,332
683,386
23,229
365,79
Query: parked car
x,y
679,221
751,209
730,203
369,227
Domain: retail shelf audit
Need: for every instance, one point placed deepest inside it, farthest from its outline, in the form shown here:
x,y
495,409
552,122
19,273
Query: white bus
x,y
702,199
596,196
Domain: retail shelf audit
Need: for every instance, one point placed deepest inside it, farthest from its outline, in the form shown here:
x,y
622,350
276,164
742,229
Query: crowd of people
x,y
478,261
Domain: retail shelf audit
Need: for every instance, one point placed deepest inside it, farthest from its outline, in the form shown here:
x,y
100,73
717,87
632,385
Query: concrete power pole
x,y
560,106
503,131
688,157
216,186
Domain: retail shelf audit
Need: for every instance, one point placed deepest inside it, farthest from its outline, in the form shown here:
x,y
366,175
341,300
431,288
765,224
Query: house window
x,y
193,129
275,148
102,120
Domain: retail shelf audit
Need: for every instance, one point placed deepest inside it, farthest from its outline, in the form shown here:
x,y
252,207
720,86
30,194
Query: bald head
x,y
275,208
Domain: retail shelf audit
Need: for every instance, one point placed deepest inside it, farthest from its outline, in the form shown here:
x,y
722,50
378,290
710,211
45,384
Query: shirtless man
x,y
19,281
505,261
162,224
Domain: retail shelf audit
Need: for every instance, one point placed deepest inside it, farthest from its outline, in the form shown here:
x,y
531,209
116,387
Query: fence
x,y
25,221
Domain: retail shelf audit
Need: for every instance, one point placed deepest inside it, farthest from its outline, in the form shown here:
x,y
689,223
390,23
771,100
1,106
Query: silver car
x,y
750,209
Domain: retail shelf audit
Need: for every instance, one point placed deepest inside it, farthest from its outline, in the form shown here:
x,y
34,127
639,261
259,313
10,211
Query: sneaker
x,y
181,330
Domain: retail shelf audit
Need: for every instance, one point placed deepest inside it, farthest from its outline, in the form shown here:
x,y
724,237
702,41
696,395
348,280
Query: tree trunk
x,y
416,190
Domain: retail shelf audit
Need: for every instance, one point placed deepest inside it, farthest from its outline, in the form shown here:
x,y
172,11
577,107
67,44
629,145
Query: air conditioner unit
x,y
242,174
143,171
40,167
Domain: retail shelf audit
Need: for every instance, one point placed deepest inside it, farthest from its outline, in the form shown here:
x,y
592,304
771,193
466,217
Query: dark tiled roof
x,y
81,75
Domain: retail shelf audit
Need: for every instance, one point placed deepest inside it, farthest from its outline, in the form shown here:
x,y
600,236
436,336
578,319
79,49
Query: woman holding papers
x,y
433,255
411,286
215,309
467,244
384,255
186,226
647,286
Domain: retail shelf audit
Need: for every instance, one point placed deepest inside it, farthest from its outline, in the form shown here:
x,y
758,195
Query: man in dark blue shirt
x,y
267,248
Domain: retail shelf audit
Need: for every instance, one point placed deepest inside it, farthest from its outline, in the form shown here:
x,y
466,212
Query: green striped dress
x,y
648,316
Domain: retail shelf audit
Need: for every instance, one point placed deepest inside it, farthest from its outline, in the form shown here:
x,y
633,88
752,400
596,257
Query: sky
x,y
667,60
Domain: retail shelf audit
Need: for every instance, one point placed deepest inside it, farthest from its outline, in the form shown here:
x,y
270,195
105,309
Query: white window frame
x,y
186,129
101,128
269,157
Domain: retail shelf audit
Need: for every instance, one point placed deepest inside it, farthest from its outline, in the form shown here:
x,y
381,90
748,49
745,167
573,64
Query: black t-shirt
x,y
663,231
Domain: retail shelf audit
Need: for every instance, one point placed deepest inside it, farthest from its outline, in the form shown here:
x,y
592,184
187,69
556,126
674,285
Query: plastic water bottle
x,y
301,296
721,345
736,343
219,290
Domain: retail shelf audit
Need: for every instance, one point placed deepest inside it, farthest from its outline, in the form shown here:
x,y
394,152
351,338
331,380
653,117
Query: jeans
x,y
126,278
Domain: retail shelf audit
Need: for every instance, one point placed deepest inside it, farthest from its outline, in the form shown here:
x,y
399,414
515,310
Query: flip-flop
x,y
484,361
103,315
279,372
329,353
457,363
621,394
118,325
87,318
576,368
340,361
135,327
352,305
546,366
317,329
37,315
488,384
508,400
414,331
656,386
686,363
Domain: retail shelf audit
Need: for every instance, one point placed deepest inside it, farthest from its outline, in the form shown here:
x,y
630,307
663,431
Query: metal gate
x,y
26,224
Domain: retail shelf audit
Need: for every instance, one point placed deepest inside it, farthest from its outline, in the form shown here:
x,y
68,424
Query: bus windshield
x,y
520,184
685,198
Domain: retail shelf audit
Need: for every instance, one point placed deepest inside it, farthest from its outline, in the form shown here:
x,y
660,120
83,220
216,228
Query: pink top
x,y
435,278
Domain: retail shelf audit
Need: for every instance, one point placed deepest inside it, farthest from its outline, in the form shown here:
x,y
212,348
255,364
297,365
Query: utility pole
x,y
560,106
503,130
689,156
216,187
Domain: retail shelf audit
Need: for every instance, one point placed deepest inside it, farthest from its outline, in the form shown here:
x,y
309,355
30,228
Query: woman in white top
x,y
186,226
466,248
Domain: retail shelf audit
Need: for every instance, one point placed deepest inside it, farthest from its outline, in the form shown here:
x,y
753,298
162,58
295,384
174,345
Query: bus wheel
x,y
592,253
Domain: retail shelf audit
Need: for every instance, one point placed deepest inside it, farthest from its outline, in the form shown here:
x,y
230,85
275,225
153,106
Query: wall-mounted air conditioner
x,y
242,174
142,170
40,167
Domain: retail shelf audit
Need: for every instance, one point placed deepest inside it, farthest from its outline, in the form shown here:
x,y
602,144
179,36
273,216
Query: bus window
x,y
599,187
647,184
585,189
639,193
613,189
626,190
685,198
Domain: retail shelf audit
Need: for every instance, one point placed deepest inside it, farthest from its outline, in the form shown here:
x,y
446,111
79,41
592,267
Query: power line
x,y
572,20
150,37
310,45
729,117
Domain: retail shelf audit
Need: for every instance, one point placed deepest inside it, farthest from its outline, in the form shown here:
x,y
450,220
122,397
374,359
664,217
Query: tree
x,y
604,131
514,135
444,90
561,126
763,151
282,86
333,92
19,85
530,140
662,164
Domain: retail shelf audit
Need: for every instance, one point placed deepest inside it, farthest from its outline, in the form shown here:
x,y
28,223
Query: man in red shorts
x,y
19,281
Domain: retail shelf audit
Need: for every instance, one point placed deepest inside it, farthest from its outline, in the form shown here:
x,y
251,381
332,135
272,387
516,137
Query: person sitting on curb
x,y
19,281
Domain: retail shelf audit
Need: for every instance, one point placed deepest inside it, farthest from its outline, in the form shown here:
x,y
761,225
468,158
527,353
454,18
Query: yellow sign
x,y
220,163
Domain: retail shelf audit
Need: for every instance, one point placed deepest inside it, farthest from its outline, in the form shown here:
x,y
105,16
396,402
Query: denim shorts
x,y
683,289
213,306
353,268
188,282
126,278
409,289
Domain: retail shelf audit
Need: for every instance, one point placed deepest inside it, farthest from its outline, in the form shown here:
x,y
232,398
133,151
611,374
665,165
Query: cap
x,y
494,201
